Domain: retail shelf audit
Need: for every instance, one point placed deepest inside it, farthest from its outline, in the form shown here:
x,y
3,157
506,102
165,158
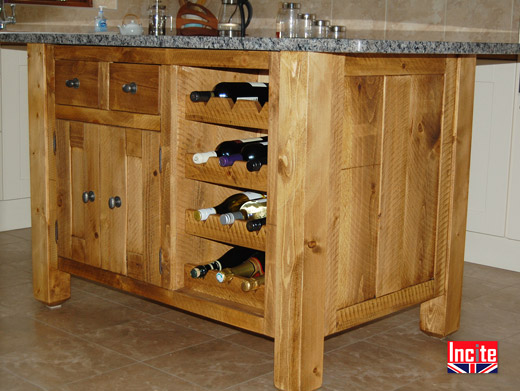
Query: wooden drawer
x,y
144,97
77,83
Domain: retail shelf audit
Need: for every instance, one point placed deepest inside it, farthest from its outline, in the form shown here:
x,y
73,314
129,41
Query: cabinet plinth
x,y
366,181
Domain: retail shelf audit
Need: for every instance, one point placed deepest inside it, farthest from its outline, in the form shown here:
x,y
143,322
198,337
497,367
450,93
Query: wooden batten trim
x,y
384,305
223,111
394,65
237,175
235,233
110,118
234,314
183,57
230,291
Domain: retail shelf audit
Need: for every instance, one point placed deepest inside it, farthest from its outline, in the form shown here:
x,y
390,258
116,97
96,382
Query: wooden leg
x,y
49,284
441,316
300,212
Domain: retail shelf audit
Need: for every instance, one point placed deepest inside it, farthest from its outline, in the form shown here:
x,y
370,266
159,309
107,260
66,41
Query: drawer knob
x,y
114,202
74,83
130,88
90,196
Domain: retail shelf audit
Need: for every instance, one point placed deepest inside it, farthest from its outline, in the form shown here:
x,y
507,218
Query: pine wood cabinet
x,y
367,184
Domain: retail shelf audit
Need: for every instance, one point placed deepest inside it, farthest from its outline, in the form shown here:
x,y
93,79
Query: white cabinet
x,y
14,141
493,236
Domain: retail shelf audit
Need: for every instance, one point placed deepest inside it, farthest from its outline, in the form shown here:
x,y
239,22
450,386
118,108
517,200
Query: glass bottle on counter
x,y
305,22
287,20
321,29
338,32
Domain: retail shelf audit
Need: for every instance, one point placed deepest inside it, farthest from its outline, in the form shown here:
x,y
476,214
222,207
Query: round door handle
x,y
74,83
114,202
130,88
90,196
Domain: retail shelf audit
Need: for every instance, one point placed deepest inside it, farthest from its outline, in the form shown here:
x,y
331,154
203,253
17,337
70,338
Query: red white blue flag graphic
x,y
472,357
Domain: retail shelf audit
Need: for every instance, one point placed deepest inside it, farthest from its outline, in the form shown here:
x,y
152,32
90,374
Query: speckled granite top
x,y
262,43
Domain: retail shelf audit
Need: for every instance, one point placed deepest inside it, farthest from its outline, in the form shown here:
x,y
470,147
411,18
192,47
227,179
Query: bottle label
x,y
217,264
256,84
259,270
252,140
253,196
251,98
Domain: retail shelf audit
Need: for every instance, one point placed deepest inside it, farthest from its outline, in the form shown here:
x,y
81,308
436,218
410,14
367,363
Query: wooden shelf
x,y
235,233
237,175
223,111
230,291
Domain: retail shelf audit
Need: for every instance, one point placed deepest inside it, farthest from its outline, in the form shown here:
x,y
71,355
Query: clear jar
x,y
338,32
305,22
280,19
321,29
229,23
289,20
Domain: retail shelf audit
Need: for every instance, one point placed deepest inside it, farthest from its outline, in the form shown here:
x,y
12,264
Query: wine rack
x,y
223,111
236,175
235,233
229,291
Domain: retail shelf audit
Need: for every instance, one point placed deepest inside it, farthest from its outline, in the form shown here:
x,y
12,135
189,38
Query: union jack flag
x,y
472,368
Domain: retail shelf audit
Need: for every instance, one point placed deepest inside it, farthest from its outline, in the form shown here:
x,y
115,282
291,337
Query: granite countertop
x,y
55,36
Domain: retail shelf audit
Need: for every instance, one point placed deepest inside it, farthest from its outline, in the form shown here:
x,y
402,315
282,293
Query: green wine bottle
x,y
253,267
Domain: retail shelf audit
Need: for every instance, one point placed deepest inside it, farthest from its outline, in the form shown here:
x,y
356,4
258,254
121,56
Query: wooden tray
x,y
223,111
235,233
230,291
236,175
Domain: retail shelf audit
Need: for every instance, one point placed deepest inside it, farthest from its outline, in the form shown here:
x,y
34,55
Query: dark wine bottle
x,y
256,164
252,267
236,91
226,148
231,258
230,204
256,152
255,225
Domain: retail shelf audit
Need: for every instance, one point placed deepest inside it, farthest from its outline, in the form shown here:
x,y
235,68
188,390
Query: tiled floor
x,y
102,339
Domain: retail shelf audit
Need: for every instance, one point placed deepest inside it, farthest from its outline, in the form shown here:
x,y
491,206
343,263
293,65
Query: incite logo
x,y
472,357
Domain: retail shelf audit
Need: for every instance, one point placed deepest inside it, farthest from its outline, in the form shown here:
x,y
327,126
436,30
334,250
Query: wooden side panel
x,y
50,285
63,191
93,209
441,316
409,181
113,184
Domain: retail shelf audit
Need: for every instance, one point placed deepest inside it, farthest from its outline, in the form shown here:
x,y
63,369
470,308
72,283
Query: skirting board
x,y
15,214
492,251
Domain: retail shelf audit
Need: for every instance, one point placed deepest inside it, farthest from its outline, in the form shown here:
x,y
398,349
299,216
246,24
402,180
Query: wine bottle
x,y
231,258
255,225
230,204
257,151
253,284
256,209
252,267
256,164
226,148
236,91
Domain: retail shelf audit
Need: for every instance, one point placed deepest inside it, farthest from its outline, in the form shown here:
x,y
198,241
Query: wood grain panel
x,y
78,180
409,181
237,175
111,118
363,116
63,191
186,57
223,111
146,98
87,74
92,216
50,285
390,64
358,235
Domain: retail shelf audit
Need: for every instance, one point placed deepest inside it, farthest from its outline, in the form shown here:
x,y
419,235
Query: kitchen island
x,y
367,178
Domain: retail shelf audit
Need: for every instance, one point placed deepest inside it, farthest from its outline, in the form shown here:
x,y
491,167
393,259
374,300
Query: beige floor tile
x,y
16,276
252,341
369,329
473,288
24,233
137,377
87,314
365,366
491,274
143,339
16,253
507,299
202,325
10,382
5,238
215,364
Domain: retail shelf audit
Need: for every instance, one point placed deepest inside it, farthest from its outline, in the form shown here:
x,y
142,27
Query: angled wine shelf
x,y
223,111
236,175
230,291
235,233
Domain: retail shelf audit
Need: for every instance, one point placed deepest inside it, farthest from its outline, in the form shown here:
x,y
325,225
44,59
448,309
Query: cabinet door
x,y
492,125
108,194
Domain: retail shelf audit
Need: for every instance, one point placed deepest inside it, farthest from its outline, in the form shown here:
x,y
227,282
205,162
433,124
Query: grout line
x,y
175,376
248,380
24,379
97,374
